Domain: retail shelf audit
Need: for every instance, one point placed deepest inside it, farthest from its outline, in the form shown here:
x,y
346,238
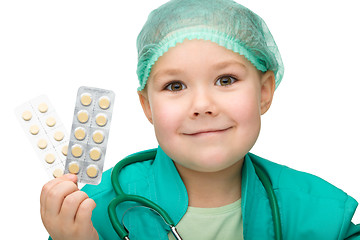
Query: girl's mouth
x,y
207,132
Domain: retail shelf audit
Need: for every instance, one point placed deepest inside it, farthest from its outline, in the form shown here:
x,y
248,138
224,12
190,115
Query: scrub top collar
x,y
170,193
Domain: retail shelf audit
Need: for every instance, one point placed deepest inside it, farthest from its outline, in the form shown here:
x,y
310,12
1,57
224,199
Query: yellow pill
x,y
80,133
76,150
83,116
50,158
43,107
34,129
101,120
74,168
95,154
64,150
98,137
92,171
42,143
27,115
59,135
85,99
58,173
50,121
104,102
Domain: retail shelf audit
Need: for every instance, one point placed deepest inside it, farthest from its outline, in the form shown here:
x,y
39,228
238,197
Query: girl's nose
x,y
203,104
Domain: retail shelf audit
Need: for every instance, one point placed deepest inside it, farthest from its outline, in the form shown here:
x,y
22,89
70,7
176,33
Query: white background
x,y
53,47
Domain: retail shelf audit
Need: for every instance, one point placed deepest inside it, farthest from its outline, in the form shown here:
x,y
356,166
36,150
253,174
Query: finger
x,y
52,183
56,196
69,177
84,213
45,191
71,204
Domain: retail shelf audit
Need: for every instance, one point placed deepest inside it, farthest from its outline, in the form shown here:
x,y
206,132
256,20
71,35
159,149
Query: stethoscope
x,y
121,230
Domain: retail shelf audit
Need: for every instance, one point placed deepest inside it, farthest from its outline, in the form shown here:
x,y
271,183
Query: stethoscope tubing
x,y
151,154
123,197
138,157
275,211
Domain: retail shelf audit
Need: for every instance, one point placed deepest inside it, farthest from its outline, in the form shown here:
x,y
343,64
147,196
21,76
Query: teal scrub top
x,y
310,207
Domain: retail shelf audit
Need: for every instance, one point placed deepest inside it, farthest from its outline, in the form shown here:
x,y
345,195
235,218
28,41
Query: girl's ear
x,y
267,90
144,100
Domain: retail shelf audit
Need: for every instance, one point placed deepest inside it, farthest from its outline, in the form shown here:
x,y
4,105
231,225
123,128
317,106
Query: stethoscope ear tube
x,y
175,233
265,180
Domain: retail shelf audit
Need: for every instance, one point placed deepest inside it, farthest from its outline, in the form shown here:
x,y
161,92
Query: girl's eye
x,y
225,81
175,86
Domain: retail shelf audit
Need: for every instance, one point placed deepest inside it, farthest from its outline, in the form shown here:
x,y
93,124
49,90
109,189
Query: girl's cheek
x,y
164,114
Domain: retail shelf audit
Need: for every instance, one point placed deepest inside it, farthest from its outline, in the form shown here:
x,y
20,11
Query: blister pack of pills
x,y
46,133
89,134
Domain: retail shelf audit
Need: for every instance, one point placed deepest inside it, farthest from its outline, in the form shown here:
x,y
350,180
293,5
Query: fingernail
x,y
71,177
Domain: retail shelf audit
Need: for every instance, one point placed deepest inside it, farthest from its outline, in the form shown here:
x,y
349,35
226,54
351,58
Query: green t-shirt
x,y
223,223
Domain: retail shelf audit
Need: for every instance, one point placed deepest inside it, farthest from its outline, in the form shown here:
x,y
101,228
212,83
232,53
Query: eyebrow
x,y
224,64
217,66
168,71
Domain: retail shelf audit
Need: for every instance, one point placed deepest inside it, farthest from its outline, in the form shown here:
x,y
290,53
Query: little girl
x,y
208,70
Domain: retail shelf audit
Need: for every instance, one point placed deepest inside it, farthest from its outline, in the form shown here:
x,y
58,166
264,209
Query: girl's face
x,y
205,103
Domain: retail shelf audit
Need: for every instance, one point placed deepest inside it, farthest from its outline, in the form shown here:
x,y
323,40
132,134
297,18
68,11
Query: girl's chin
x,y
208,166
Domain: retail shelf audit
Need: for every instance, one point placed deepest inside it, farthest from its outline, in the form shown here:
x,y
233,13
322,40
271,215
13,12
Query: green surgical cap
x,y
224,22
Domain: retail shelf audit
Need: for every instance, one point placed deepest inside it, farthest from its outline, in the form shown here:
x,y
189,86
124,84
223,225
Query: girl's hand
x,y
66,211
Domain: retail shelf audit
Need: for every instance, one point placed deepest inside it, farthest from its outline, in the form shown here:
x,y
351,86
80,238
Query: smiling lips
x,y
206,132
